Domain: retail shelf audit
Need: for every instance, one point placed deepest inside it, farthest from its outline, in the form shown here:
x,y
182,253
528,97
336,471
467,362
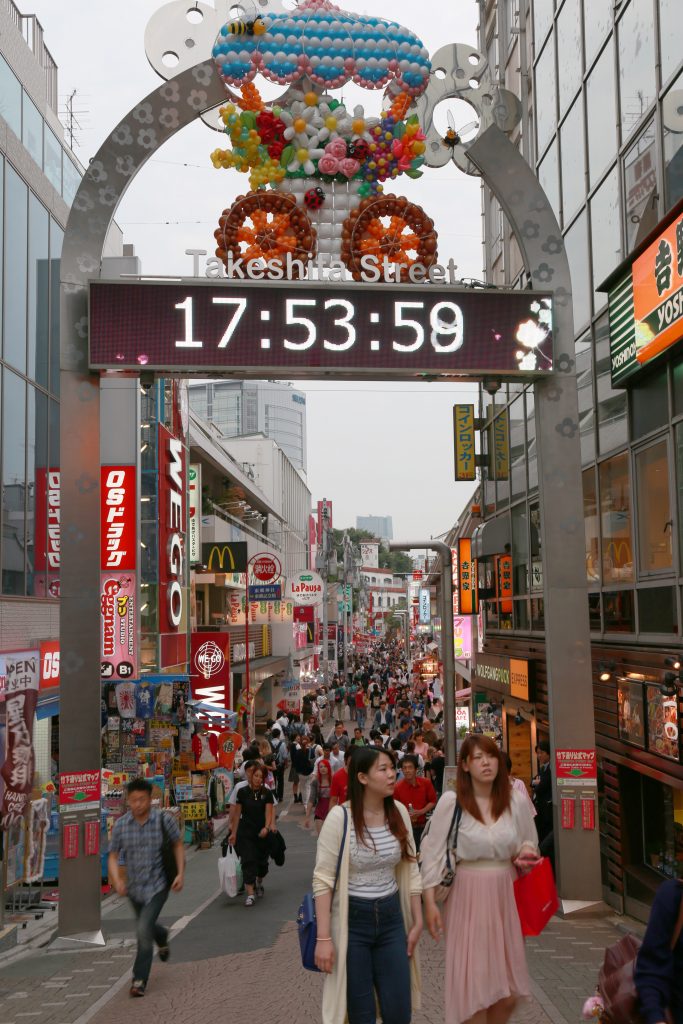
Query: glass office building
x,y
601,84
273,408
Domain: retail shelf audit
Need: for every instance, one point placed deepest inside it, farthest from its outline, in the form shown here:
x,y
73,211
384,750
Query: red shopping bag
x,y
536,898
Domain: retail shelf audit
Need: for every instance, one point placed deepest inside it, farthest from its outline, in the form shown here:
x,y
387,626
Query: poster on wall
x,y
631,713
662,724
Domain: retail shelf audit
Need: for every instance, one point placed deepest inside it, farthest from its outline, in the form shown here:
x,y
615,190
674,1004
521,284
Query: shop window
x,y
594,620
662,724
535,550
655,523
653,834
615,518
591,526
521,613
573,154
576,245
641,194
669,36
605,233
10,97
520,550
637,85
597,20
612,419
544,90
672,129
618,611
537,614
657,610
649,404
601,102
631,710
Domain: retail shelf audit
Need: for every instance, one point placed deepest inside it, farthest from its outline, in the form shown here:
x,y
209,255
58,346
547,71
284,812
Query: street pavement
x,y
231,962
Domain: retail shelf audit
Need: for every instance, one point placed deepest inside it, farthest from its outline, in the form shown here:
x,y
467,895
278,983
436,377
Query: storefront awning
x,y
48,707
491,537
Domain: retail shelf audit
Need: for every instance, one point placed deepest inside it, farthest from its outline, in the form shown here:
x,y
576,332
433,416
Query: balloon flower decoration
x,y
316,168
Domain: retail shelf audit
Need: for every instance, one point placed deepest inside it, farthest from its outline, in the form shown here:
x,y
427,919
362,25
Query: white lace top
x,y
372,868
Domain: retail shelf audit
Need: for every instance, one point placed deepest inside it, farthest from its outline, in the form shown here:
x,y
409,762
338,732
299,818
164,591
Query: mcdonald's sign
x,y
226,557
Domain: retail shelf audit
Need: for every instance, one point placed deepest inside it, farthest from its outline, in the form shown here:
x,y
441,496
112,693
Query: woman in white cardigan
x,y
367,934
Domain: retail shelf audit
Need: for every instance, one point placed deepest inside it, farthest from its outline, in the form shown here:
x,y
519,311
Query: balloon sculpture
x,y
317,169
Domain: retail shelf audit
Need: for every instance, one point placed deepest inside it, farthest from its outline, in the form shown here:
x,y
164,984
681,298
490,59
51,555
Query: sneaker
x,y
250,901
137,988
259,890
164,953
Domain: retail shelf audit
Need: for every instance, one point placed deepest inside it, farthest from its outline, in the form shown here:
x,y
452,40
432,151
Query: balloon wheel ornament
x,y
268,227
396,233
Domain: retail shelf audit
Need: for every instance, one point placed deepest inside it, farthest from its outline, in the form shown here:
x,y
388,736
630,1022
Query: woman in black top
x,y
255,819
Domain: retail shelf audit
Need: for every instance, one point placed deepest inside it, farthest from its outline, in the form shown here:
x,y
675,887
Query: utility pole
x,y
446,557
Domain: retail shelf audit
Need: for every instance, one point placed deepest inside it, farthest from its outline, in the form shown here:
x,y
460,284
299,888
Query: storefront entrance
x,y
519,747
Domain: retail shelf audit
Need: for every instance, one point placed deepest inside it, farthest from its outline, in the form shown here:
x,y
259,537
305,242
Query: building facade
x,y
272,408
601,85
381,527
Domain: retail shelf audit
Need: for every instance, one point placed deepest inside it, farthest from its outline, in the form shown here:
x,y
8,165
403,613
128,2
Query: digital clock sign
x,y
309,329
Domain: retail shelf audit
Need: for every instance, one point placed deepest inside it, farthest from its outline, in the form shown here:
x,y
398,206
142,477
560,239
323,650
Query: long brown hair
x,y
362,760
501,792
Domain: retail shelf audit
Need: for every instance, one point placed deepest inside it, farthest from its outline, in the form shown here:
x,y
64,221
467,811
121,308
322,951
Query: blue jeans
x,y
377,962
360,717
148,932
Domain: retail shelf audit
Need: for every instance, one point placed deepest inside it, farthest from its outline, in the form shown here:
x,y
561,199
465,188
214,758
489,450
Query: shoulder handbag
x,y
443,889
306,922
168,855
616,981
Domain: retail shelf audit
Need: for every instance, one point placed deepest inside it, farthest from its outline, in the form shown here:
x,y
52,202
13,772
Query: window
x,y
36,460
532,462
13,483
546,114
520,550
32,129
670,36
570,71
657,610
16,230
56,239
53,160
612,419
543,19
618,609
10,97
605,233
655,524
71,180
548,175
597,20
591,526
636,63
615,519
649,404
584,383
38,291
576,244
535,550
601,102
573,151
640,187
672,128
517,448
594,620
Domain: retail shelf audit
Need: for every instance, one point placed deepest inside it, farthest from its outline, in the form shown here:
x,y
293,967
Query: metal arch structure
x,y
158,117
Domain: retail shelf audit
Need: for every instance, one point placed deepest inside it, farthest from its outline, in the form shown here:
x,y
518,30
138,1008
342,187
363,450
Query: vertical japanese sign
x,y
463,439
172,546
467,583
501,446
504,582
118,576
21,672
46,560
455,577
657,284
425,606
462,636
194,513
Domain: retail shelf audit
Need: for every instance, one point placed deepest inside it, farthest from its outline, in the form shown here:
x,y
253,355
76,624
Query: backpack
x,y
280,751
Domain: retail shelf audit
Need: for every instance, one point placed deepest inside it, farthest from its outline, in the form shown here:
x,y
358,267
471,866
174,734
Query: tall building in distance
x,y
601,85
243,407
381,526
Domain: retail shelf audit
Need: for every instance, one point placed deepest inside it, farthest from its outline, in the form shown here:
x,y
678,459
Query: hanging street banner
x,y
463,439
300,329
21,674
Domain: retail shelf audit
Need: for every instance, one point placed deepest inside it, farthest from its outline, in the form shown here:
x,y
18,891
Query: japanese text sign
x,y
118,549
463,437
576,767
425,606
118,626
21,672
77,789
469,594
504,582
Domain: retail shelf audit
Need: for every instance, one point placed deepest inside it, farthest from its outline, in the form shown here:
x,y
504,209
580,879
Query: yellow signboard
x,y
195,811
463,435
501,447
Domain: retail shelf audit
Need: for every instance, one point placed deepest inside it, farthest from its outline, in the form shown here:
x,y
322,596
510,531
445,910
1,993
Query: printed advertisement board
x,y
118,617
118,548
463,439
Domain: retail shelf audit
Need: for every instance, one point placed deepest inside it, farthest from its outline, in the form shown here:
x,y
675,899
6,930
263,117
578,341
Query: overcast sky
x,y
373,448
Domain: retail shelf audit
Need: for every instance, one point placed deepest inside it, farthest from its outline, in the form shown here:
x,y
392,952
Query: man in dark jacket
x,y
303,766
542,787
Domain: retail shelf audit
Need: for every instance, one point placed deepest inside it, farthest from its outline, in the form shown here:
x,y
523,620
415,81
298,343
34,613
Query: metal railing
x,y
31,31
218,510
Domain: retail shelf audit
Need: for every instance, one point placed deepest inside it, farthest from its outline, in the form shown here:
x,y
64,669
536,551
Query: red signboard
x,y
70,841
303,613
417,575
568,807
49,664
577,767
21,675
210,668
46,559
469,594
588,813
91,838
77,788
118,548
172,527
266,568
118,618
504,578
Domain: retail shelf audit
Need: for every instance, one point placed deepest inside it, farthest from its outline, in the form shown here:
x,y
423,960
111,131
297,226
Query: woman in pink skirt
x,y
486,970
